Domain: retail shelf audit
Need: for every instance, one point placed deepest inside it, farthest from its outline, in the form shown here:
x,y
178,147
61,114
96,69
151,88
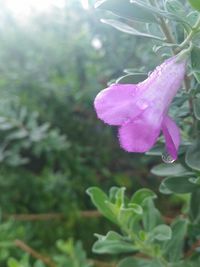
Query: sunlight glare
x,y
24,8
85,4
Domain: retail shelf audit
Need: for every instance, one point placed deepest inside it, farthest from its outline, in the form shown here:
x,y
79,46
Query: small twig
x,y
49,216
58,216
34,217
167,32
48,261
164,27
23,246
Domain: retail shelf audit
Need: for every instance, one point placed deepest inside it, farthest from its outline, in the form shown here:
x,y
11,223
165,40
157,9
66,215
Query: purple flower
x,y
140,110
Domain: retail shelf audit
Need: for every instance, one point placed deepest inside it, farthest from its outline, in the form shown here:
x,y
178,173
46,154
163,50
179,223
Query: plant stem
x,y
164,27
46,260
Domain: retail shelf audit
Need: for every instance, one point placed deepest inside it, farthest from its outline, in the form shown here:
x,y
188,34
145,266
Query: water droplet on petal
x,y
142,104
167,158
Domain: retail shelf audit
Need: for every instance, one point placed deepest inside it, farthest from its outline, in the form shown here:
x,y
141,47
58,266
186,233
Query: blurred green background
x,y
53,61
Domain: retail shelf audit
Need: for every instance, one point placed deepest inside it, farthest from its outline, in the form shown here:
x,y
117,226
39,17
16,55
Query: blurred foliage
x,y
68,255
52,147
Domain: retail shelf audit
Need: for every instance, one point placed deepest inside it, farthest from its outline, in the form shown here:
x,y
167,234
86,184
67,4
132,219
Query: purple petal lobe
x,y
172,136
140,135
117,104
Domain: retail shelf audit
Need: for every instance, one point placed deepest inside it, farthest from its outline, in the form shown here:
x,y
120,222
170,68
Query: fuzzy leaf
x,y
100,199
192,157
168,169
196,103
127,10
141,195
112,243
123,27
132,78
194,206
151,215
174,247
178,184
161,232
195,62
134,262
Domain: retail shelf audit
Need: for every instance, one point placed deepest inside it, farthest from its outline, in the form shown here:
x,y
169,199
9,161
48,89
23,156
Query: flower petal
x,y
140,134
117,104
171,133
163,83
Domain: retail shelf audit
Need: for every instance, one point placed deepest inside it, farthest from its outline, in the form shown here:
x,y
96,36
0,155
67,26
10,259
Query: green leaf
x,y
197,76
188,263
168,169
123,27
112,193
136,262
136,208
192,158
179,184
112,243
119,197
192,17
161,232
174,247
195,206
195,62
6,126
161,13
195,58
157,150
13,263
127,216
99,199
39,263
19,134
135,71
116,196
151,216
175,7
195,4
127,10
141,195
132,78
164,190
196,104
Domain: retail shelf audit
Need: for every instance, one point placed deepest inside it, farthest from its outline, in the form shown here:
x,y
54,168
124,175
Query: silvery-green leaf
x,y
127,10
121,26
